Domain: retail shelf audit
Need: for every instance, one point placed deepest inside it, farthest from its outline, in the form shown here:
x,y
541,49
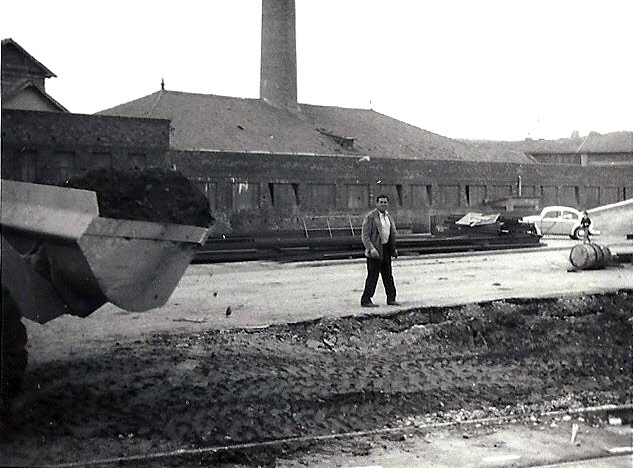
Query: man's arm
x,y
393,235
366,237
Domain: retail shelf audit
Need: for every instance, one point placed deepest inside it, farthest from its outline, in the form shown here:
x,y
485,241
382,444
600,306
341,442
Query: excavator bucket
x,y
59,256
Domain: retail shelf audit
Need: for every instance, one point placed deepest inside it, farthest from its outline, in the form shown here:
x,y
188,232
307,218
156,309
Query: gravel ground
x,y
166,391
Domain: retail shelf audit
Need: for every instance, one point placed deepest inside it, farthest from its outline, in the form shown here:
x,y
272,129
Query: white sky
x,y
480,69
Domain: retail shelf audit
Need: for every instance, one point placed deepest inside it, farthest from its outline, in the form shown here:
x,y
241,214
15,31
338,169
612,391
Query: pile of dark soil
x,y
170,391
156,195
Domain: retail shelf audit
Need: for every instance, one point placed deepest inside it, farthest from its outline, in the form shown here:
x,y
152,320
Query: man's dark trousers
x,y
382,267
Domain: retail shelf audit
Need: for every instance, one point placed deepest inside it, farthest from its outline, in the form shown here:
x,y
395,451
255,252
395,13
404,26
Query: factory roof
x,y
222,123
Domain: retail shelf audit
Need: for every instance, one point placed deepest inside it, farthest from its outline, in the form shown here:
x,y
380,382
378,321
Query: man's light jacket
x,y
371,234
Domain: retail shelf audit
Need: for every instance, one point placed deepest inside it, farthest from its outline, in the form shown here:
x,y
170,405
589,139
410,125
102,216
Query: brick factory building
x,y
273,163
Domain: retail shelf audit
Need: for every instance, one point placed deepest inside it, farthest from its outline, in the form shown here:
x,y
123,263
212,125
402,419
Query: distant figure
x,y
379,238
585,222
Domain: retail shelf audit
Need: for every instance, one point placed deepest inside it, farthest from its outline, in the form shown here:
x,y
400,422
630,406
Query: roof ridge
x,y
153,106
212,95
337,107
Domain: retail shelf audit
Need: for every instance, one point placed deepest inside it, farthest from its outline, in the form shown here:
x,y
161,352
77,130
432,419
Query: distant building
x,y
611,149
593,150
43,142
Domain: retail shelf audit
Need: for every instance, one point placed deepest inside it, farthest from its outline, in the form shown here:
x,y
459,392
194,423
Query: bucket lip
x,y
47,211
146,230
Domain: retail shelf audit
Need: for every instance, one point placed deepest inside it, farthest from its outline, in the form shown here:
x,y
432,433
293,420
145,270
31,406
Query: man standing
x,y
379,238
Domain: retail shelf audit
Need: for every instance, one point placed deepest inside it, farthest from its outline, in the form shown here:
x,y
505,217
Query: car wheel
x,y
579,233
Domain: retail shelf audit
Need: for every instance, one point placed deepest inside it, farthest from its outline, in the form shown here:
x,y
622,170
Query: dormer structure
x,y
23,80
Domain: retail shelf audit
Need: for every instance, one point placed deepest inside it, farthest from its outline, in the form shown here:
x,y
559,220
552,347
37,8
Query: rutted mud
x,y
165,391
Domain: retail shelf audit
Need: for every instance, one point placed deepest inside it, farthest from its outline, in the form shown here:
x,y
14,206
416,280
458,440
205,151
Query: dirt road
x,y
265,293
298,356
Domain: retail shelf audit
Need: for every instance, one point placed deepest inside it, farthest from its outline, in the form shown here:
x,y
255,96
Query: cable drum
x,y
590,256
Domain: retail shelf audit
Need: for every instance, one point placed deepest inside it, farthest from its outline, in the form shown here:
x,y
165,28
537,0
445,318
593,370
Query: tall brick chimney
x,y
278,77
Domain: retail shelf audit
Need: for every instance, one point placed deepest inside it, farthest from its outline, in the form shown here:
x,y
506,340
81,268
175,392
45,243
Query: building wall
x,y
51,147
610,158
252,192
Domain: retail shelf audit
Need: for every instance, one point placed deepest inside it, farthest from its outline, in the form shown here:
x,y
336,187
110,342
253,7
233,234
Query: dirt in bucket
x,y
156,195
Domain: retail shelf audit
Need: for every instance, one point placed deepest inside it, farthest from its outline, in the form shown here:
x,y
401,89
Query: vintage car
x,y
559,220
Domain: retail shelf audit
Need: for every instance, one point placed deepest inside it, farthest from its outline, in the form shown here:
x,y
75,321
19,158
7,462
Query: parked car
x,y
559,220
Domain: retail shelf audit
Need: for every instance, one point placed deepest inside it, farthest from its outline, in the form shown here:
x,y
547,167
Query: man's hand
x,y
373,253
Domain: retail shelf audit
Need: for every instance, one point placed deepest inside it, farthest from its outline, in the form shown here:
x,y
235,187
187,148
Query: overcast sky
x,y
479,69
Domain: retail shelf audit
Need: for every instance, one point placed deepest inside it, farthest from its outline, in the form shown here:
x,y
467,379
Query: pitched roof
x,y
377,135
24,81
46,73
11,94
221,123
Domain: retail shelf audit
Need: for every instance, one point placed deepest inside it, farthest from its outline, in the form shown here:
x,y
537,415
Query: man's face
x,y
382,204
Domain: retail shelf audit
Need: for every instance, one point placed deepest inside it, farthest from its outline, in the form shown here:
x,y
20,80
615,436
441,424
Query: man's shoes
x,y
368,304
396,303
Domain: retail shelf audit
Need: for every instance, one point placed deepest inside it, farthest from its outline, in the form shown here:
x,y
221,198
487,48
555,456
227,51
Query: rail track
x,y
215,455
282,248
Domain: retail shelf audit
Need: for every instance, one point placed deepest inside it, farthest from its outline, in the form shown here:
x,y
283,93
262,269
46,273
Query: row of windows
x,y
354,196
329,196
245,196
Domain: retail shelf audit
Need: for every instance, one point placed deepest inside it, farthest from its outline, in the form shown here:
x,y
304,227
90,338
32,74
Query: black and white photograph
x,y
300,233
